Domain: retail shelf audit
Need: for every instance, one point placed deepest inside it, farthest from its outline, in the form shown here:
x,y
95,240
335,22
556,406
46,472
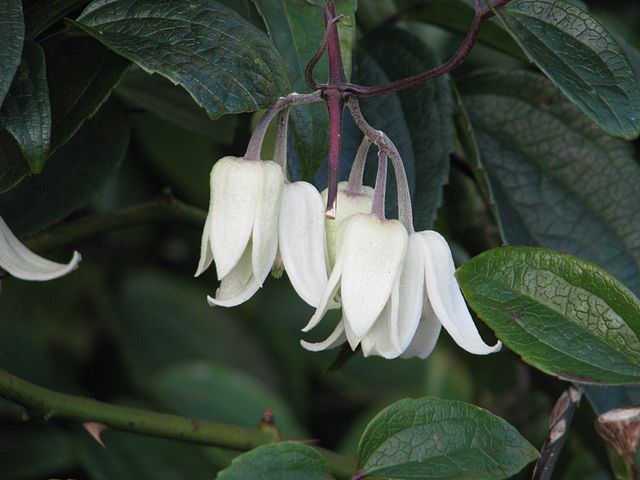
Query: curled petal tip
x,y
211,301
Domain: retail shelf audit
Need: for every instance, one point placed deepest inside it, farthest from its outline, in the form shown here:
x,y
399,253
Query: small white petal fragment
x,y
335,339
373,251
302,241
95,429
22,263
265,227
236,186
446,298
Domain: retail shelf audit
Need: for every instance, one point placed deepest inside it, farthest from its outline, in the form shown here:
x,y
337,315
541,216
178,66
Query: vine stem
x,y
52,405
255,143
385,145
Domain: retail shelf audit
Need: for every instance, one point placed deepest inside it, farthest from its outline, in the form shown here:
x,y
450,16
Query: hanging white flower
x,y
19,261
241,231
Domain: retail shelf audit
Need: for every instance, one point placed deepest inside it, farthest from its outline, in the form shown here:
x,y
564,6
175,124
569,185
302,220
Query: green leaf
x,y
581,58
456,16
164,320
278,461
13,166
557,180
215,392
225,63
81,74
11,38
402,54
172,103
26,112
431,438
563,315
296,27
71,177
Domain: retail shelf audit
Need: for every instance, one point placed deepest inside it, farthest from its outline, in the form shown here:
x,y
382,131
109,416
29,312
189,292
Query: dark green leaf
x,y
71,177
214,392
456,16
81,74
39,15
558,181
563,315
431,438
225,63
582,58
11,38
428,110
164,320
279,461
13,166
172,103
26,112
296,28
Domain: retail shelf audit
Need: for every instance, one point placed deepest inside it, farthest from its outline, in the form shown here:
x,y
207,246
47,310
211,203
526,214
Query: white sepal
x,y
335,339
239,285
445,295
22,263
426,336
412,293
206,255
380,340
302,240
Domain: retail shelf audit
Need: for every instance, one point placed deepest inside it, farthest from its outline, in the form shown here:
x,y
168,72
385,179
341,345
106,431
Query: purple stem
x,y
334,105
381,186
354,187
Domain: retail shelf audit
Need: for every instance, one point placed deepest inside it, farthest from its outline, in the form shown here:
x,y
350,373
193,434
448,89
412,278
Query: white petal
x,y
412,293
239,285
373,251
301,240
265,227
236,185
335,339
426,337
22,263
347,205
446,298
206,255
380,339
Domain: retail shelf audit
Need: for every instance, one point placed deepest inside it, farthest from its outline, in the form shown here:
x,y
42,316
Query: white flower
x,y
22,263
241,230
397,290
307,237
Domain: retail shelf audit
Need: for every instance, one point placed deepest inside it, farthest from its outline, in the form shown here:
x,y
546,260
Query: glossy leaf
x,y
279,461
431,438
428,110
565,316
224,62
581,58
11,38
71,177
203,389
26,112
81,74
296,27
557,180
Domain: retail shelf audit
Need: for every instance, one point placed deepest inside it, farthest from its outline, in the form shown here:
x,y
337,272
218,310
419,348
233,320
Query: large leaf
x,y
557,180
26,112
81,74
13,166
11,38
214,392
296,28
431,438
563,315
224,62
72,175
582,58
428,110
279,461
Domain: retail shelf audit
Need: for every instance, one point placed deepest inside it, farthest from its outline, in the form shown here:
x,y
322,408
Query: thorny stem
x,y
255,143
354,187
280,149
384,143
381,186
49,405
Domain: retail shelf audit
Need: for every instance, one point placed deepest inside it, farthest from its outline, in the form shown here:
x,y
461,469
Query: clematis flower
x,y
22,263
241,230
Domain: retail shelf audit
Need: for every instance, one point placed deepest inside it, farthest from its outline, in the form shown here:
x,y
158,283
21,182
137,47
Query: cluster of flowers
x,y
396,287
